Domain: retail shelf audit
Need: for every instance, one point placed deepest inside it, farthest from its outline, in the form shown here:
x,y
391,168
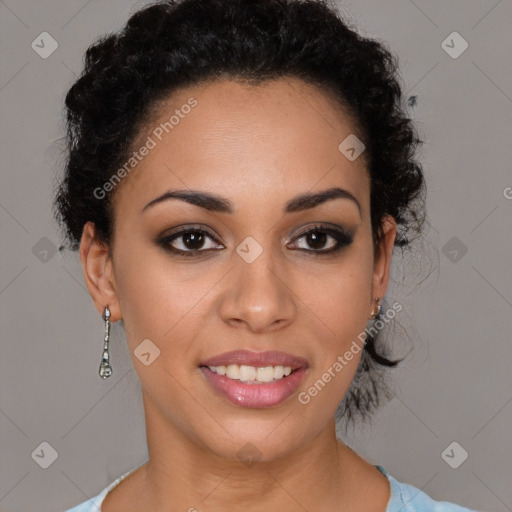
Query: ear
x,y
99,272
382,260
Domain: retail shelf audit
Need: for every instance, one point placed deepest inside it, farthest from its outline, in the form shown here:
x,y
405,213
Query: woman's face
x,y
257,280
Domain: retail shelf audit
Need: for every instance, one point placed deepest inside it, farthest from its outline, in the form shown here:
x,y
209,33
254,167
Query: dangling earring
x,y
105,367
373,314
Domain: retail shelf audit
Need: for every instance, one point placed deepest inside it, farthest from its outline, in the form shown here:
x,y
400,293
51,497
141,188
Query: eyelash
x,y
341,237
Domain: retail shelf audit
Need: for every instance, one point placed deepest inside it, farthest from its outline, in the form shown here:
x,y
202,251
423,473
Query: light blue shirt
x,y
404,498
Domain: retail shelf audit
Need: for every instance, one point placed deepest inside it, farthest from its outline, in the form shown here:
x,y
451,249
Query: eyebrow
x,y
219,204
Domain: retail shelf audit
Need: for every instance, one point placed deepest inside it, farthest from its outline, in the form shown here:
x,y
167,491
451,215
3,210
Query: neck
x,y
322,474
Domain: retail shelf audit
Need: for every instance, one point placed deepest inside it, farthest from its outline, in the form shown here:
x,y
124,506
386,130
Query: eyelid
x,y
296,233
343,238
168,238
303,230
183,228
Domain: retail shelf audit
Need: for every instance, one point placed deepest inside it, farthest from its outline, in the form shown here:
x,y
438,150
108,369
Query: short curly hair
x,y
170,44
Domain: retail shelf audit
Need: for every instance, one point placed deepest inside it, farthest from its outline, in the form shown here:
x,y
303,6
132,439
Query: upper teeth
x,y
252,373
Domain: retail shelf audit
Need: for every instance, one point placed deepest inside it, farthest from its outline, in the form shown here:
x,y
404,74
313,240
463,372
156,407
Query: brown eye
x,y
318,237
193,240
189,242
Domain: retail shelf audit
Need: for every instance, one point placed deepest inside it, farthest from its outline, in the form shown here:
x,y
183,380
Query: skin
x,y
257,146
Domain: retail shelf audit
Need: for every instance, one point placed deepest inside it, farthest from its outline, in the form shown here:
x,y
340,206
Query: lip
x,y
258,359
255,394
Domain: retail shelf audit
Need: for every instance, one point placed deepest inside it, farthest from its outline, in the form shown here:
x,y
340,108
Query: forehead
x,y
230,137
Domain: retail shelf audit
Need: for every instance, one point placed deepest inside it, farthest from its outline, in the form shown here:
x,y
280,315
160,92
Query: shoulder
x,y
94,504
404,498
407,498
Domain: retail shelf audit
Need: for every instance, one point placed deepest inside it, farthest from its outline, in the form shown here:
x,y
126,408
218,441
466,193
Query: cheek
x,y
340,298
145,293
340,306
162,302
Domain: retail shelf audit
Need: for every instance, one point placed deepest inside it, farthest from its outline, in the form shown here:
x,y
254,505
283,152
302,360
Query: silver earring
x,y
105,367
375,315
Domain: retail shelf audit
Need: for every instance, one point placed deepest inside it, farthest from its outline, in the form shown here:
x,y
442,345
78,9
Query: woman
x,y
239,173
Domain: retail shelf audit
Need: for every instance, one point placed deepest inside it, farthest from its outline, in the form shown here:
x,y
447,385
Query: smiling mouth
x,y
247,366
252,374
254,379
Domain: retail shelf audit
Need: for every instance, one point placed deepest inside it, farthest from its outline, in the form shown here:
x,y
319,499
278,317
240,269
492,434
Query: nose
x,y
259,295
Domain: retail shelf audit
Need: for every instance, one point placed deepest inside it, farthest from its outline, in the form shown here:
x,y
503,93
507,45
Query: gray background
x,y
456,382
